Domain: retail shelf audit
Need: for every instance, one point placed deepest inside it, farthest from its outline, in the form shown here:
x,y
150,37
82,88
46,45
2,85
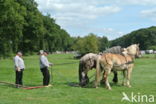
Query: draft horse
x,y
115,62
87,63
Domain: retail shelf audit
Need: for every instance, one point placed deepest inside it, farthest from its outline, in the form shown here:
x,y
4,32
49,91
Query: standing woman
x,y
19,68
44,64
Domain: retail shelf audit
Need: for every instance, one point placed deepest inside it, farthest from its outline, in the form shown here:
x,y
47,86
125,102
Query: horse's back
x,y
115,50
110,58
88,56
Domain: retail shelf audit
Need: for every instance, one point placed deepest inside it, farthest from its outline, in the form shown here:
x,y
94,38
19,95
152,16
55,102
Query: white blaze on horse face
x,y
83,74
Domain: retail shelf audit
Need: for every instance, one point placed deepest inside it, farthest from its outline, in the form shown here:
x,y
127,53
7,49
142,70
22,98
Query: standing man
x,y
44,64
19,68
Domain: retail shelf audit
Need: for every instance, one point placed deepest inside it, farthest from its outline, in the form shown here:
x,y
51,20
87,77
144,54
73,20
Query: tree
x,y
23,27
103,43
11,26
87,44
145,37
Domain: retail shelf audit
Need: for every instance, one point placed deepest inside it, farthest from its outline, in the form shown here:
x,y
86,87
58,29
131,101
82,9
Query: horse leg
x,y
97,76
87,79
129,76
115,79
103,80
124,77
84,80
107,72
81,74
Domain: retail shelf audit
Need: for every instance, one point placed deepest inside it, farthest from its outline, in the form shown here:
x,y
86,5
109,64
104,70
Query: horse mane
x,y
133,45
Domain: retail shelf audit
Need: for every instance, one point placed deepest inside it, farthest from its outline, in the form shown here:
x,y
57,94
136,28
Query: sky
x,y
110,18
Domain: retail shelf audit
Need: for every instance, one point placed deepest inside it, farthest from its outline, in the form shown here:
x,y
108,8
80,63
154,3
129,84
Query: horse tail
x,y
98,70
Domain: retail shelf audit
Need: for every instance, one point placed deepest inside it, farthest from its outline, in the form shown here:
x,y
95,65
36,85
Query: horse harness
x,y
127,62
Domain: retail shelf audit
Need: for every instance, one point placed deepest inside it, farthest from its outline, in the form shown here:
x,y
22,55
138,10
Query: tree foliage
x,y
23,27
145,37
103,43
90,43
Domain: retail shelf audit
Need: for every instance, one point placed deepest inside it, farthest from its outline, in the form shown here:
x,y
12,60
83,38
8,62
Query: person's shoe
x,y
17,86
48,85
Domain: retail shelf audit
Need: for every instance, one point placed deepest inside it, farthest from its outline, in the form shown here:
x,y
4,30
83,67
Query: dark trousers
x,y
19,76
46,76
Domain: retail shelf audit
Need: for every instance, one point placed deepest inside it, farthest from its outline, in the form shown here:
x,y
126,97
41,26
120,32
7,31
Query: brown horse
x,y
115,62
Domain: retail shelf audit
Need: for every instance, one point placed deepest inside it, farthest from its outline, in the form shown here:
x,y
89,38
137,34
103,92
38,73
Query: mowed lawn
x,y
64,76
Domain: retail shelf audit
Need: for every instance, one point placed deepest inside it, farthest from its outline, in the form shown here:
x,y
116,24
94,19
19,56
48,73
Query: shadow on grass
x,y
71,84
75,84
8,85
90,85
12,85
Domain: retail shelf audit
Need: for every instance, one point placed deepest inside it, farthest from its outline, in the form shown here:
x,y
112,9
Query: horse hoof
x,y
109,88
115,82
96,87
129,86
123,84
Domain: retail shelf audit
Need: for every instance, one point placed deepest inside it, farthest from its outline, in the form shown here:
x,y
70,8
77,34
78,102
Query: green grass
x,y
143,81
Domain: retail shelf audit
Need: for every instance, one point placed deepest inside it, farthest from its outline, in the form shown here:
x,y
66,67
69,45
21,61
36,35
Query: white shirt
x,y
19,62
44,62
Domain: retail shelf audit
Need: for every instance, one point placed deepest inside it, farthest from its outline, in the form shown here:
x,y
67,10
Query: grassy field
x,y
143,82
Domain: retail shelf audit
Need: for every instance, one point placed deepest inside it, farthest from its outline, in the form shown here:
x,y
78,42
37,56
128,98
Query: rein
x,y
130,62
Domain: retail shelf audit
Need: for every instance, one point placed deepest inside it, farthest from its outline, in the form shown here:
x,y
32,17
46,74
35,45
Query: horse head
x,y
134,50
138,53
